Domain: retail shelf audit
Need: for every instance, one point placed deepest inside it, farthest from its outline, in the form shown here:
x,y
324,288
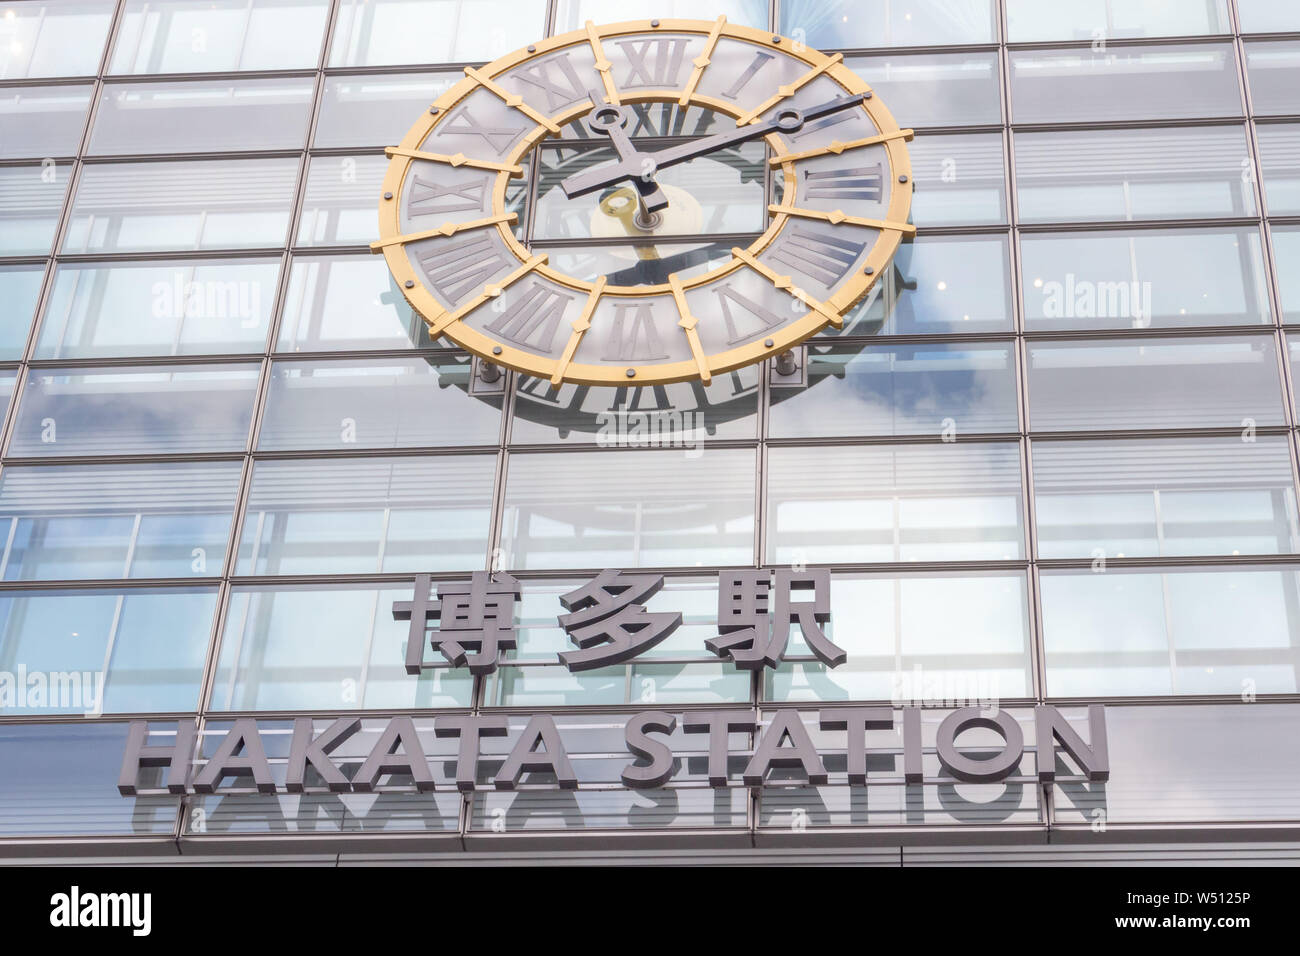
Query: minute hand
x,y
788,120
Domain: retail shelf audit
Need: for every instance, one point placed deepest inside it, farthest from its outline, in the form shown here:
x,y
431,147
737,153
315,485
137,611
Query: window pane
x,y
1279,160
113,521
20,287
1286,253
376,110
899,390
339,208
135,410
1124,83
1184,631
960,180
206,36
935,89
943,502
680,415
939,284
1219,382
572,14
1268,16
153,642
201,117
1029,20
204,204
363,515
1274,71
77,793
917,637
833,24
30,200
1148,497
1164,277
41,121
1132,174
374,32
318,648
630,508
176,307
377,403
54,39
346,303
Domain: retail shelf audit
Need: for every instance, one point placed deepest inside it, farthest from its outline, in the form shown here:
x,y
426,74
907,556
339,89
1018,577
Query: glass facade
x,y
1054,458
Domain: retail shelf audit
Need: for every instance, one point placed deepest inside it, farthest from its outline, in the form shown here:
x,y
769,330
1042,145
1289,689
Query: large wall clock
x,y
655,118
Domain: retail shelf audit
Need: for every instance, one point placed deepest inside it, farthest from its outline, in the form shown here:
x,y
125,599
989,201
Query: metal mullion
x,y
1270,259
1121,225
109,159
900,50
1028,505
1086,45
1077,126
263,385
260,252
147,361
210,76
1151,332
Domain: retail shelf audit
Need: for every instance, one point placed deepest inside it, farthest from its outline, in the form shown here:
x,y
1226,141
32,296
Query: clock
x,y
644,148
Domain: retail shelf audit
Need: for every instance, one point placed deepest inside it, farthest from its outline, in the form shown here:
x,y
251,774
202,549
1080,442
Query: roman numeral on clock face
x,y
459,266
533,317
633,336
555,77
824,257
749,309
429,197
859,182
498,138
655,62
760,60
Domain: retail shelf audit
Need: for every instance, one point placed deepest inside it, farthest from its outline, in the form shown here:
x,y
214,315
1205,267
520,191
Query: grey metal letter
x,y
660,755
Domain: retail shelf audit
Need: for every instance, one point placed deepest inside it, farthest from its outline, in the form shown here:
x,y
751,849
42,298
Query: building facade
x,y
1051,460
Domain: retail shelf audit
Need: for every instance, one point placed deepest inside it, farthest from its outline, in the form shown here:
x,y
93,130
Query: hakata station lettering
x,y
318,760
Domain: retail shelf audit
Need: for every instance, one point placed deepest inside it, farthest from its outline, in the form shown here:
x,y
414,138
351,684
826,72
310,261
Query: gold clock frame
x,y
702,366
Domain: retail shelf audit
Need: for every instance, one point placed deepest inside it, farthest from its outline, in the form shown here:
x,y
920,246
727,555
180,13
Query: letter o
x,y
969,769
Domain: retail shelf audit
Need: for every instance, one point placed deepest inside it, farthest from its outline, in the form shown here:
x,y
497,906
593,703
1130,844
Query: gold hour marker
x,y
790,89
456,159
701,61
689,322
580,326
837,147
836,217
603,65
513,100
446,229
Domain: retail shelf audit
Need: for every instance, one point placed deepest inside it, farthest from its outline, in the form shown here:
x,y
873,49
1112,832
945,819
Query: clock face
x,y
597,208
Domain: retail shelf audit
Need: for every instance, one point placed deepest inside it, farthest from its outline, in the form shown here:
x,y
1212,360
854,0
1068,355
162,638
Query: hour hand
x,y
633,165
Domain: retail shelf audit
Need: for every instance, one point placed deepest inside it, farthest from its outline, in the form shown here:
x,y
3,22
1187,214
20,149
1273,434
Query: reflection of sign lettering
x,y
783,742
